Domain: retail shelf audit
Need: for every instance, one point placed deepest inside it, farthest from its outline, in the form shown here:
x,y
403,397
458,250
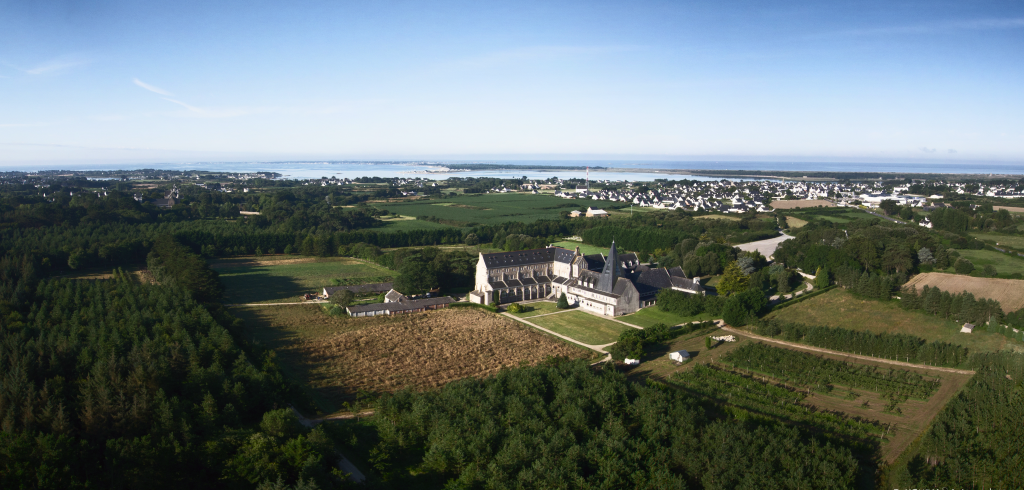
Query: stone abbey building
x,y
606,285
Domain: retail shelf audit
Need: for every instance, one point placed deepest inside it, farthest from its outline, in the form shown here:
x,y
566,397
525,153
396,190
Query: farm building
x,y
596,213
607,285
679,356
967,328
378,287
396,303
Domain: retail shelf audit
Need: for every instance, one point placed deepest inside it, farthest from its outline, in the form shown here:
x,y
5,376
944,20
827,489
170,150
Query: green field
x,y
582,326
491,208
584,248
258,281
1004,263
407,223
649,316
1015,241
838,308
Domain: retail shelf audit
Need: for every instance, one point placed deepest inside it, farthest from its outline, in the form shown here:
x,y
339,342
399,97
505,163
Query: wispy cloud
x,y
531,53
155,90
55,65
927,150
933,28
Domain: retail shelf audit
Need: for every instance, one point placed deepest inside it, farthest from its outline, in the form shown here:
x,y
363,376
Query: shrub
x,y
963,266
563,302
516,308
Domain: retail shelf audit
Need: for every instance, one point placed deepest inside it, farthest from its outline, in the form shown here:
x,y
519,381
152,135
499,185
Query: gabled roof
x,y
522,257
404,305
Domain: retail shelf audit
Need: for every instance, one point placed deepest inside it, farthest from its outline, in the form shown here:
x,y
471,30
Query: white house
x,y
679,356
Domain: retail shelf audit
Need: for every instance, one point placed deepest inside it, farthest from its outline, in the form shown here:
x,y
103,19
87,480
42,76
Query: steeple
x,y
610,272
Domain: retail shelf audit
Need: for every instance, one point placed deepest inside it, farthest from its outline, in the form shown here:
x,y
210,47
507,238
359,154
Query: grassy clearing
x,y
276,281
538,308
718,216
838,308
491,208
333,358
582,326
649,316
584,248
1015,241
1004,263
795,222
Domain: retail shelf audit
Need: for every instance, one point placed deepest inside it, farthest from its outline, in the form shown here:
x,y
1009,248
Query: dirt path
x,y
845,354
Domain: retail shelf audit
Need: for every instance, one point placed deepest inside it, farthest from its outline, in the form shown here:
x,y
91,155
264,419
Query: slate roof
x,y
563,255
522,257
594,262
404,304
377,287
684,283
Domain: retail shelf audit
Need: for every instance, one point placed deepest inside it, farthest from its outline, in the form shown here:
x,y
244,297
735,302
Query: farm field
x,y
333,358
1004,263
1012,209
1008,292
491,208
839,308
902,428
582,326
1015,241
280,280
584,248
718,216
801,203
651,315
406,223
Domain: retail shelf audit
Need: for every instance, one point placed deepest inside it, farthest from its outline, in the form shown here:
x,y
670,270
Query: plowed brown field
x,y
335,357
1008,292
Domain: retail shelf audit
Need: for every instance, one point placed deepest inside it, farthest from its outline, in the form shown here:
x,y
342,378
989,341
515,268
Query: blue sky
x,y
155,81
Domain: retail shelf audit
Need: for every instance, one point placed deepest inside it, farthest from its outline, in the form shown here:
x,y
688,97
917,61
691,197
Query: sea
x,y
631,171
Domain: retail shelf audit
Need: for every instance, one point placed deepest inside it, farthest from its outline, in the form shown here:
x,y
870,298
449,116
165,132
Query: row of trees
x,y
959,307
898,346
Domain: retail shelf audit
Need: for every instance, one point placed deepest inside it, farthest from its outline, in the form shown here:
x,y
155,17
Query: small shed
x,y
679,356
631,362
967,328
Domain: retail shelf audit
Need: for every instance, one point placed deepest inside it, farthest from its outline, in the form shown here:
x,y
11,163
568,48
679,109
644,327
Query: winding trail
x,y
343,463
844,354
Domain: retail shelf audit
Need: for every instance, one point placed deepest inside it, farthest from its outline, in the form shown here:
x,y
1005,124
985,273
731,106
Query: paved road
x,y
844,354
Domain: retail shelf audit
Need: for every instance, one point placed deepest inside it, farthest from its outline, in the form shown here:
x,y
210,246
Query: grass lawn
x,y
585,249
276,281
1016,241
1004,263
582,326
649,316
538,308
838,308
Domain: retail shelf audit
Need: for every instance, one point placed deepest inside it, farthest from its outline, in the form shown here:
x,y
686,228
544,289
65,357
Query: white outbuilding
x,y
679,356
631,362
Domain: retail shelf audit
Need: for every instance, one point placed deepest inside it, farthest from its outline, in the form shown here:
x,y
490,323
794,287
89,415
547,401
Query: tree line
x,y
897,346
